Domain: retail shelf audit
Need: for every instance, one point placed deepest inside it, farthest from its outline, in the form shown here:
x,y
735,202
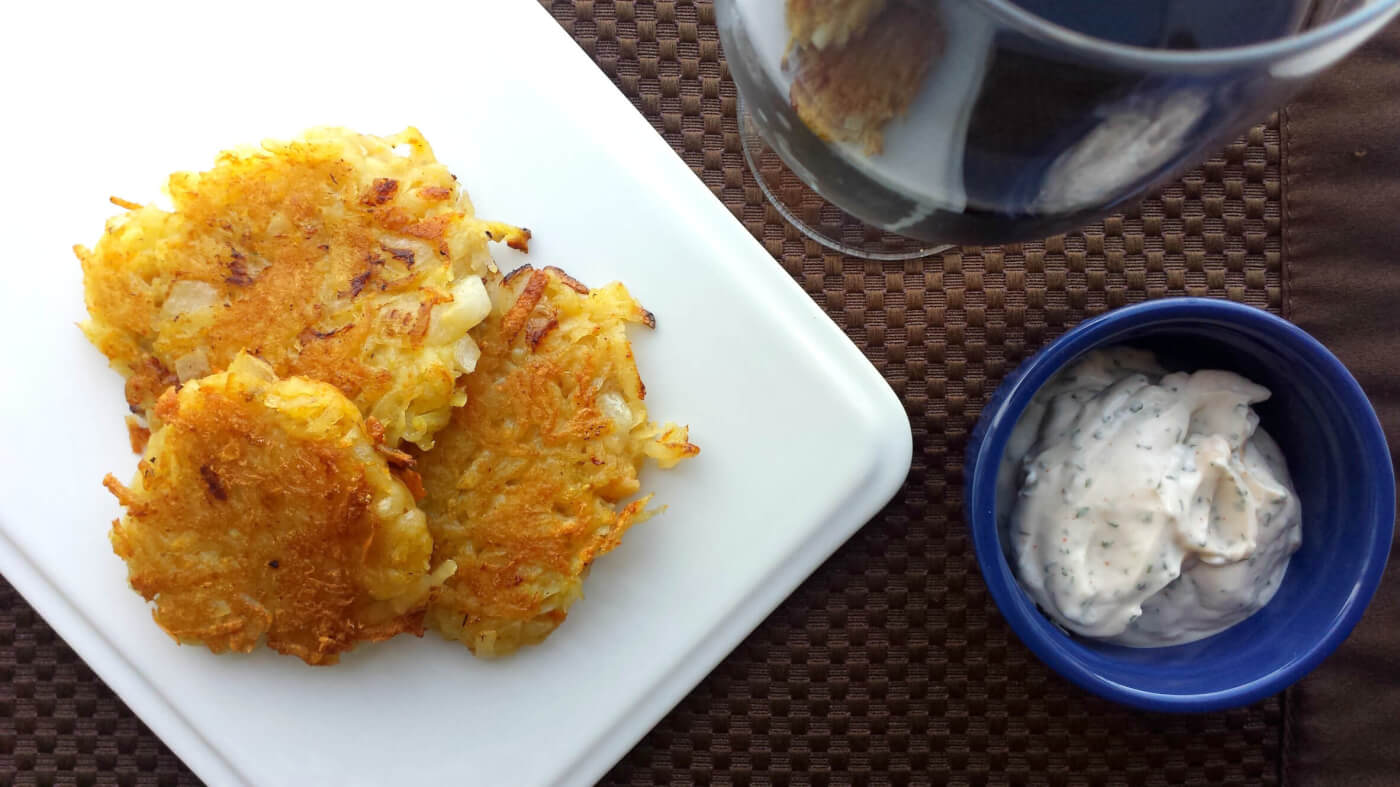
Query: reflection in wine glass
x,y
916,123
1131,137
867,75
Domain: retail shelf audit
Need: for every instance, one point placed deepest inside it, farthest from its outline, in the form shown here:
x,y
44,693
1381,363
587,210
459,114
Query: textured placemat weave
x,y
891,663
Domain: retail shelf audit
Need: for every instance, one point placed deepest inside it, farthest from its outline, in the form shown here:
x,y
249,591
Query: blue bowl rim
x,y
1010,400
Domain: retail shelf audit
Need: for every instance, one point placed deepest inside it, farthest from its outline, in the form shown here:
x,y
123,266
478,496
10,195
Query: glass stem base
x,y
814,215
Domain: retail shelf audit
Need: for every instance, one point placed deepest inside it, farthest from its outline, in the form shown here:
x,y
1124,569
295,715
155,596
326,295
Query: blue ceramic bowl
x,y
1339,462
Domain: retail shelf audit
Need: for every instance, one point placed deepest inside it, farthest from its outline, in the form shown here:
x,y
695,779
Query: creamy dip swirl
x,y
1149,507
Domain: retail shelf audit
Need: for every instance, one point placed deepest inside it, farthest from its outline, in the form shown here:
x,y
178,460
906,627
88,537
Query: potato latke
x,y
346,258
263,508
523,487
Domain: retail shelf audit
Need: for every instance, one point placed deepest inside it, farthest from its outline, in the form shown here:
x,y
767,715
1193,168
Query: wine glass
x,y
893,129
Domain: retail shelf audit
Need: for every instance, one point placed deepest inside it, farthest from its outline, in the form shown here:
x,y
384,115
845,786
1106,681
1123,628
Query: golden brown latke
x,y
337,256
823,23
851,92
264,508
524,486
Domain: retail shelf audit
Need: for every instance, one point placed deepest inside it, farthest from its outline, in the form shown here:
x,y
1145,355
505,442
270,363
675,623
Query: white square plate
x,y
802,440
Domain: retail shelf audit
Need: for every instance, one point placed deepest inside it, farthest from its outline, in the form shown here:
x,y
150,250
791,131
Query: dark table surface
x,y
891,664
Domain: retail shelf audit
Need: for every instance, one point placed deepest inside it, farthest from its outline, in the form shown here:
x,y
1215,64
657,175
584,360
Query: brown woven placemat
x,y
891,664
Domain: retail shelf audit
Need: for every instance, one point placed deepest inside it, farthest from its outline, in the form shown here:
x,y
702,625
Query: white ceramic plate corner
x,y
802,440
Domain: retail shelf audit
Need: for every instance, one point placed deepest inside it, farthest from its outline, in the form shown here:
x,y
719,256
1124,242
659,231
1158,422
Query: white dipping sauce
x,y
1150,508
